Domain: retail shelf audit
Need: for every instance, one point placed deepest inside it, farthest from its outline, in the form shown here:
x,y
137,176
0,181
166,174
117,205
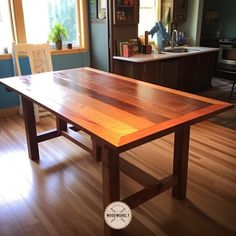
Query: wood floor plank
x,y
62,194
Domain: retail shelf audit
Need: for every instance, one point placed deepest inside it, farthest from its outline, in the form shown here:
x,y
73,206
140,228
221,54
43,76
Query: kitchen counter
x,y
167,55
189,71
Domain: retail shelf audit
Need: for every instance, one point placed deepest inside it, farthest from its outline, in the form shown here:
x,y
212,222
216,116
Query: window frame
x,y
157,9
19,33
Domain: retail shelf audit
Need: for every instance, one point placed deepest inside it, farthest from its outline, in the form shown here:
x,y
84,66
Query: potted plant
x,y
57,34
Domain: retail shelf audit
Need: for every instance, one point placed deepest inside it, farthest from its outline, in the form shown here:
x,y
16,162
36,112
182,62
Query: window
x,y
33,20
149,13
5,26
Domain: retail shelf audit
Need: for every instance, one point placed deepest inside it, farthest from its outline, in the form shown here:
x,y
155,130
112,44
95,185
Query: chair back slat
x,y
38,54
39,60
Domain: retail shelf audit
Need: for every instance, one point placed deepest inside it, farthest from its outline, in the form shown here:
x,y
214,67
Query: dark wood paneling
x,y
196,71
179,11
169,73
122,32
187,73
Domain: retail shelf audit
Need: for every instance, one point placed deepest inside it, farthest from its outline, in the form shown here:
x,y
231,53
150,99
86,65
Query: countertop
x,y
166,55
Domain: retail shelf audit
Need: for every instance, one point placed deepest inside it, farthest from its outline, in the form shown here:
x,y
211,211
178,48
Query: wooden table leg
x,y
30,128
180,163
96,151
111,182
61,124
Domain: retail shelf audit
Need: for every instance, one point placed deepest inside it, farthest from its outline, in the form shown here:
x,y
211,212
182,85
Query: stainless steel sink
x,y
180,50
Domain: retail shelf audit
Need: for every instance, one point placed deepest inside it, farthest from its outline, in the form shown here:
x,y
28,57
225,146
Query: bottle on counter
x,y
181,38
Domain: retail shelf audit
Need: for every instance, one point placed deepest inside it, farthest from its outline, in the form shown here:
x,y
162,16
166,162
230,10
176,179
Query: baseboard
x,y
9,112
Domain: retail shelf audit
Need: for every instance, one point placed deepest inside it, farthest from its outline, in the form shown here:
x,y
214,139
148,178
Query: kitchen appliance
x,y
227,54
227,61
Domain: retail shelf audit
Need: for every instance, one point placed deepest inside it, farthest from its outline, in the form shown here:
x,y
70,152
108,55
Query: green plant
x,y
58,33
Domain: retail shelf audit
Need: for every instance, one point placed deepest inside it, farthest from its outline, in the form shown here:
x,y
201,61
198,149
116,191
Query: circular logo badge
x,y
118,215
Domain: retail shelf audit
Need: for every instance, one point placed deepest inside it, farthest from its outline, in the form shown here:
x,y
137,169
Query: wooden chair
x,y
39,60
229,74
232,89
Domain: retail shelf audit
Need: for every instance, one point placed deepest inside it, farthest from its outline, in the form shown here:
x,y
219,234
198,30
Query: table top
x,y
115,109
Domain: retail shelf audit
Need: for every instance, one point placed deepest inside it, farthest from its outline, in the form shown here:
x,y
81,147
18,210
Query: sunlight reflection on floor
x,y
15,176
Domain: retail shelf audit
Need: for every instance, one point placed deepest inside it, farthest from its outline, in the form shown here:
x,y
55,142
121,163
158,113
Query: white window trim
x,y
18,25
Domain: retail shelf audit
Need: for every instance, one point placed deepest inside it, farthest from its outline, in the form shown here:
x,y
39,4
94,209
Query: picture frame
x,y
101,9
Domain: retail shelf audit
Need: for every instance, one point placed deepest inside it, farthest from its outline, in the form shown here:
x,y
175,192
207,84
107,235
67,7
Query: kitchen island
x,y
184,68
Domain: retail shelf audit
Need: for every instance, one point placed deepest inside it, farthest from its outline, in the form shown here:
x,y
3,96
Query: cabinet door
x,y
195,72
150,72
207,66
188,73
146,71
129,69
179,11
169,71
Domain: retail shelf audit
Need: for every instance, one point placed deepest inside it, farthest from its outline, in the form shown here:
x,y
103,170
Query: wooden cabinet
x,y
126,12
179,11
145,71
164,72
169,71
187,73
123,24
195,71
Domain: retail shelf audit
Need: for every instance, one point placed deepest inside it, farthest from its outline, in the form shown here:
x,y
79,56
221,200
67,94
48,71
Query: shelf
x,y
125,14
125,6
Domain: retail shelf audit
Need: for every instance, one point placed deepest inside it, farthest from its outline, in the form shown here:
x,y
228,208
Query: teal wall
x,y
60,62
228,18
99,45
227,15
68,61
99,52
7,99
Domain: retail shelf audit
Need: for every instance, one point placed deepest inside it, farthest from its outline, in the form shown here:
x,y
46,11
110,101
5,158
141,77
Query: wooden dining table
x,y
118,113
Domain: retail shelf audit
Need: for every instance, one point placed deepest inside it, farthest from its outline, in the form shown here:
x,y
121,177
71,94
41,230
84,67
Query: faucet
x,y
173,42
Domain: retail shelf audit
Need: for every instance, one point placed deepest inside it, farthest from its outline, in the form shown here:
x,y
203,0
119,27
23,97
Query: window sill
x,y
5,56
67,51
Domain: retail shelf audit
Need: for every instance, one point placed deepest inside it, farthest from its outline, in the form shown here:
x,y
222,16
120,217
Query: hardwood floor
x,y
62,194
220,90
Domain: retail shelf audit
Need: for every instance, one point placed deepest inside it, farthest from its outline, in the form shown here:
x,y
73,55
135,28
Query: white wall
x,y
192,26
